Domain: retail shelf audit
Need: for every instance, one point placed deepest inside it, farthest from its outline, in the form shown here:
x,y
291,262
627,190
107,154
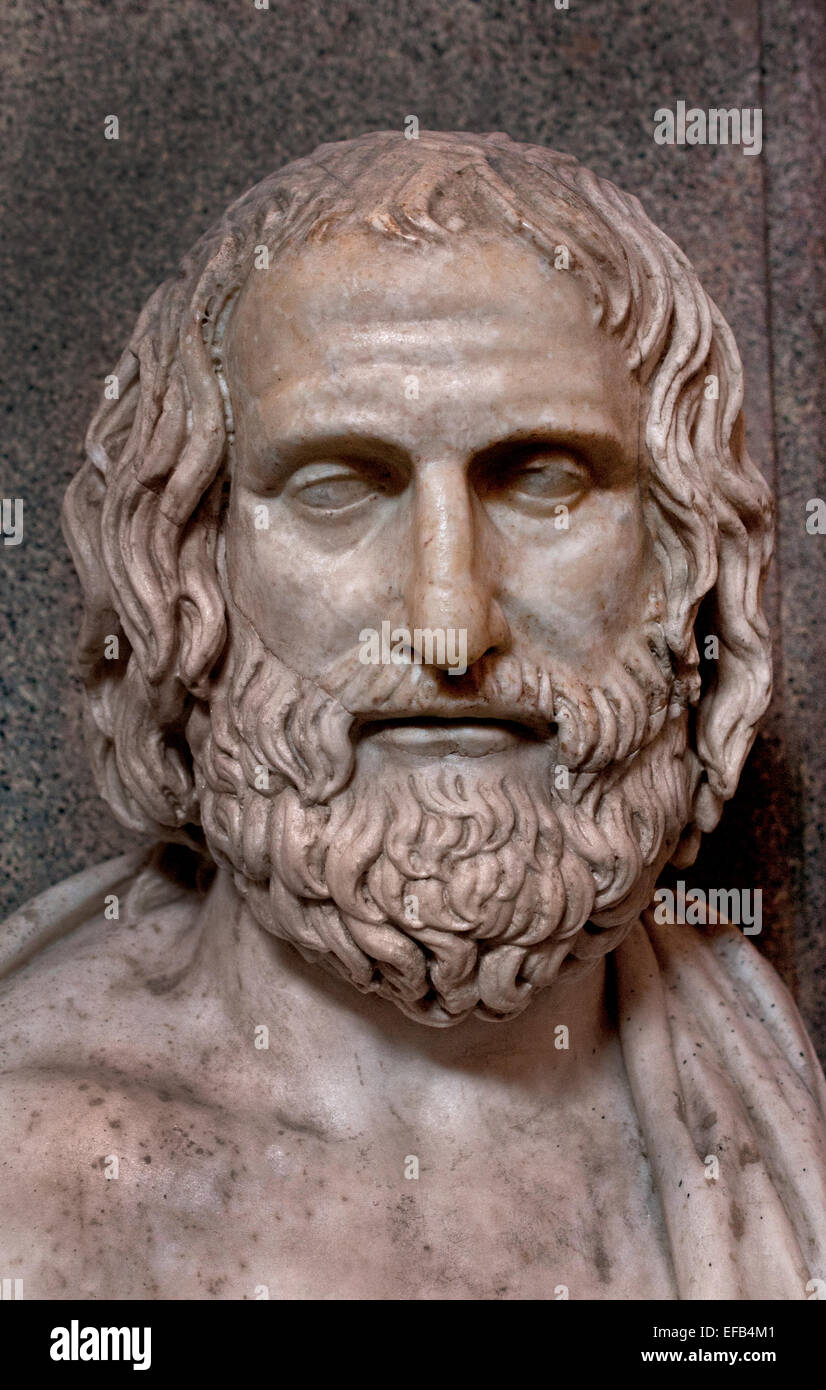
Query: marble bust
x,y
405,520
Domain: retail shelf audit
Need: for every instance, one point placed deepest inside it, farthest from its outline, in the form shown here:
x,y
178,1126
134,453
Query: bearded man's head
x,y
409,398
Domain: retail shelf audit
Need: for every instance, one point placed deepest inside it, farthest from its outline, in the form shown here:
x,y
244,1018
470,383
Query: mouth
x,y
440,737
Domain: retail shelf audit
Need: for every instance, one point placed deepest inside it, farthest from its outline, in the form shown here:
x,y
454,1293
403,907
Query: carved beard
x,y
454,886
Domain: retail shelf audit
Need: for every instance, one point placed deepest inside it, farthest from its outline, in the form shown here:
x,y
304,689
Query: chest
x,y
553,1212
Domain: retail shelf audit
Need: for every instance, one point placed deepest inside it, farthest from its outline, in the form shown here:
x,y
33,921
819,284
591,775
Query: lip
x,y
434,737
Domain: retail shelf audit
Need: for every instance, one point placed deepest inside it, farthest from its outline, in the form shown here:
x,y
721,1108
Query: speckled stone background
x,y
213,94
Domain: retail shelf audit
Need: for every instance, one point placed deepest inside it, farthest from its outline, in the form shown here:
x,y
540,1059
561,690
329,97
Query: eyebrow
x,y
289,453
600,445
604,442
600,452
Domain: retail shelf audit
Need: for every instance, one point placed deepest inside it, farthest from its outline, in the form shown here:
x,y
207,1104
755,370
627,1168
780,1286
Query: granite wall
x,y
210,96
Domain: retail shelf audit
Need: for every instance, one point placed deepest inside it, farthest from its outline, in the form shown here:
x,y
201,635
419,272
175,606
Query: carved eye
x,y
331,487
542,481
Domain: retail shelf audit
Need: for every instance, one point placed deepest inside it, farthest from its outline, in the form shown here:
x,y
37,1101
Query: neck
x,y
357,1052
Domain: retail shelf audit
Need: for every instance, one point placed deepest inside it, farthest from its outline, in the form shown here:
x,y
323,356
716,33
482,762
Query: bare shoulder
x,y
85,975
101,1181
98,1106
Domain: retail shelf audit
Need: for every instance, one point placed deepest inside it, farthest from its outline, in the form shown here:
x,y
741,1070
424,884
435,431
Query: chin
x,y
458,883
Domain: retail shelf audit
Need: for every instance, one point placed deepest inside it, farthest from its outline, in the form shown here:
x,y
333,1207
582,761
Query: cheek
x,y
575,590
307,604
268,583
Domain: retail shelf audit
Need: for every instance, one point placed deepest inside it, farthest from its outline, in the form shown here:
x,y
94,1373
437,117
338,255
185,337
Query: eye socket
x,y
540,480
332,487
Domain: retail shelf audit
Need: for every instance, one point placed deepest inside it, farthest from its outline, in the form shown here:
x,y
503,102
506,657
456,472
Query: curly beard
x,y
453,886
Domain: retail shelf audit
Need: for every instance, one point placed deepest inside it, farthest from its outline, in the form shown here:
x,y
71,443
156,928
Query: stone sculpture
x,y
425,483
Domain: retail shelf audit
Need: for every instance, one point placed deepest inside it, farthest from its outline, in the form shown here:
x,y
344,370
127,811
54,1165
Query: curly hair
x,y
142,516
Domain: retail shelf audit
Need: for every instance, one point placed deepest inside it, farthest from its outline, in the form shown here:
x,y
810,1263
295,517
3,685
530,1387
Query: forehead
x,y
480,330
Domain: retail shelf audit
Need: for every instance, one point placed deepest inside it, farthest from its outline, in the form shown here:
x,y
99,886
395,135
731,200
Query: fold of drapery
x,y
68,904
732,1107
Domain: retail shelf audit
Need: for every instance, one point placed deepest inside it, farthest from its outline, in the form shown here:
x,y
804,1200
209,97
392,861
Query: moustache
x,y
503,687
306,730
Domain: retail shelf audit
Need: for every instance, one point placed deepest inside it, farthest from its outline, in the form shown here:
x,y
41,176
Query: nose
x,y
451,585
